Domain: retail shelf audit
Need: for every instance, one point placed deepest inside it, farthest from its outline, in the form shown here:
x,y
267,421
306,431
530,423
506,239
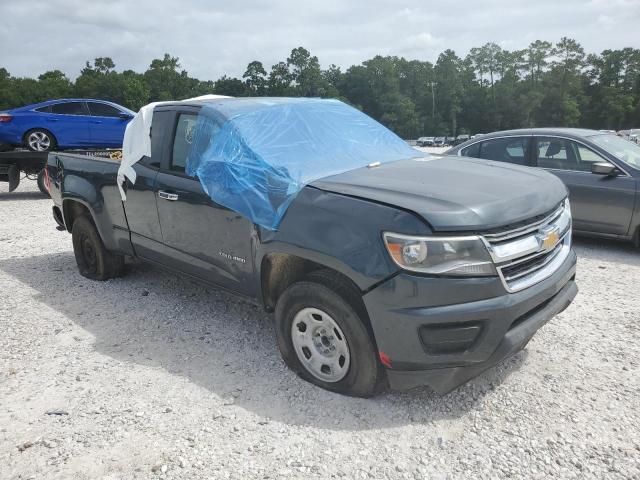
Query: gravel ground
x,y
154,376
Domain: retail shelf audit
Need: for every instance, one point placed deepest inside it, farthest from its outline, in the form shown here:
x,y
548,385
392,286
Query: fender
x,y
340,232
79,190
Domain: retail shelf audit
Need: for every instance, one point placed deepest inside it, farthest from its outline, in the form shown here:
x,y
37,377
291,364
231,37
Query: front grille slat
x,y
519,230
518,270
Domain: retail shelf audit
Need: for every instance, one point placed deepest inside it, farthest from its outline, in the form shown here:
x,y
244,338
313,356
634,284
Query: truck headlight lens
x,y
455,256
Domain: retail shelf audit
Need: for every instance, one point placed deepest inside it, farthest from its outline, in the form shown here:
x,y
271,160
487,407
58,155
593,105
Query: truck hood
x,y
454,193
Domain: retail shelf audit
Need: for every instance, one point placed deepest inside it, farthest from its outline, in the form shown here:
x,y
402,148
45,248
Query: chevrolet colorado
x,y
421,271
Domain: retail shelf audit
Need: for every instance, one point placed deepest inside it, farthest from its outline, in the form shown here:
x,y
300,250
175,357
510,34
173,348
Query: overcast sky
x,y
213,38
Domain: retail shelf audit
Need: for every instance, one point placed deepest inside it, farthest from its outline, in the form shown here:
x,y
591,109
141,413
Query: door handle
x,y
168,196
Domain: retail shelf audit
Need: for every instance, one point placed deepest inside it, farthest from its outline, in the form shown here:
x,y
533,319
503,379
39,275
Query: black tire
x,y
41,185
93,259
333,294
51,139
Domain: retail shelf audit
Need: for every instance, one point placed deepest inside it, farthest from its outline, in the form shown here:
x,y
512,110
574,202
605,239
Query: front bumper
x,y
450,330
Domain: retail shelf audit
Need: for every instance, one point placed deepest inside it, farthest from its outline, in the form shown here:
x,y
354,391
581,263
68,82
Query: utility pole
x,y
433,100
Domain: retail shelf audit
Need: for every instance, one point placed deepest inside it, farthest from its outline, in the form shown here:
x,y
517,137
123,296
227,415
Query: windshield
x,y
620,148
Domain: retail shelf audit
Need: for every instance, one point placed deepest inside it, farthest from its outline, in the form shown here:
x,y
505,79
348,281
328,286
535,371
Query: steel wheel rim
x,y
320,345
89,254
39,141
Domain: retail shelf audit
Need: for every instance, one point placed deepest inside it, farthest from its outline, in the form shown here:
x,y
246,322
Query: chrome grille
x,y
527,227
530,253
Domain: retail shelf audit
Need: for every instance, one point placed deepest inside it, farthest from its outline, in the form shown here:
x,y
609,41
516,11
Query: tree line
x,y
490,89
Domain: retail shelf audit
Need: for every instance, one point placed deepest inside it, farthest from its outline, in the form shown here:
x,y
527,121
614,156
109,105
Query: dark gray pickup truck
x,y
422,271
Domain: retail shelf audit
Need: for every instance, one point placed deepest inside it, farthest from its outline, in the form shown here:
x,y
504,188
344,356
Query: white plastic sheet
x,y
137,140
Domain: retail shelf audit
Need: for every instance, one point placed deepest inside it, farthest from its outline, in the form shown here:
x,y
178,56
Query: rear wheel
x,y
322,335
41,184
39,140
93,259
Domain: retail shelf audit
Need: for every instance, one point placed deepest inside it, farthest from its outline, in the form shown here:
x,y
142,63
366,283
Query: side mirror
x,y
604,168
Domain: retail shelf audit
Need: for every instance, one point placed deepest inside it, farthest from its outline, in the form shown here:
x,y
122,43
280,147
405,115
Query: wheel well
x,y
279,270
72,210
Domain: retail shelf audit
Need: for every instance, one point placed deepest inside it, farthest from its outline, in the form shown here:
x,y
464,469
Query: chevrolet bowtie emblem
x,y
549,238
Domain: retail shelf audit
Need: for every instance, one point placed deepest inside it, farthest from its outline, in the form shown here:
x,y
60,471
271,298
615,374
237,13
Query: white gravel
x,y
154,376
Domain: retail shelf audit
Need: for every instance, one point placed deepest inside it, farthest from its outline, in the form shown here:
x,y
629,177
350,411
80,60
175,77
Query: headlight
x,y
456,256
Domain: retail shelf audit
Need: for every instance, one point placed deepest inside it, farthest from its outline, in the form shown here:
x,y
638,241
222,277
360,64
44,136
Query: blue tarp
x,y
255,155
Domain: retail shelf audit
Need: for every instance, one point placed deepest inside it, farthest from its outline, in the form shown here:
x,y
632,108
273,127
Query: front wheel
x,y
93,259
322,335
39,140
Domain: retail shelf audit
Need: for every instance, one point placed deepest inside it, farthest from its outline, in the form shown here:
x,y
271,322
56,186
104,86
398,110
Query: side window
x,y
510,150
556,153
586,157
161,126
46,109
103,110
471,150
69,108
182,141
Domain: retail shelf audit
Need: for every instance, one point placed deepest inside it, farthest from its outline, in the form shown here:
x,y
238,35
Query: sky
x,y
214,38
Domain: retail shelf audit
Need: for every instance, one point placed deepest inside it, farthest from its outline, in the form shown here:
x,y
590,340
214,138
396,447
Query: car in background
x,y
439,141
601,171
449,141
461,139
425,142
65,123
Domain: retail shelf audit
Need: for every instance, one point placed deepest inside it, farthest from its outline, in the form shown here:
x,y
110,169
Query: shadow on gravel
x,y
15,196
607,250
226,345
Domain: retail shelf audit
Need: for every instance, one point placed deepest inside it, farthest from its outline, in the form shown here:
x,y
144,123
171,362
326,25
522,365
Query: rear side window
x,y
46,109
471,151
103,110
510,150
69,108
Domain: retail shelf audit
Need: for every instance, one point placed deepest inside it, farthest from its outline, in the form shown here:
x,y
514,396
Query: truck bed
x,y
92,179
15,162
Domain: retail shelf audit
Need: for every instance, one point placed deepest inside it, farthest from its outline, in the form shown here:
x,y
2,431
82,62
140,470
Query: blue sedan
x,y
65,123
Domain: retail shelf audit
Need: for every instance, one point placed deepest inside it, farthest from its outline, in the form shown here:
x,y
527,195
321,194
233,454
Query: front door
x,y
599,204
202,237
140,205
69,122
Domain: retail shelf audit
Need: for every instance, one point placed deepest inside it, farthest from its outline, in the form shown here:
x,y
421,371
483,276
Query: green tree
x,y
255,78
279,81
234,87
